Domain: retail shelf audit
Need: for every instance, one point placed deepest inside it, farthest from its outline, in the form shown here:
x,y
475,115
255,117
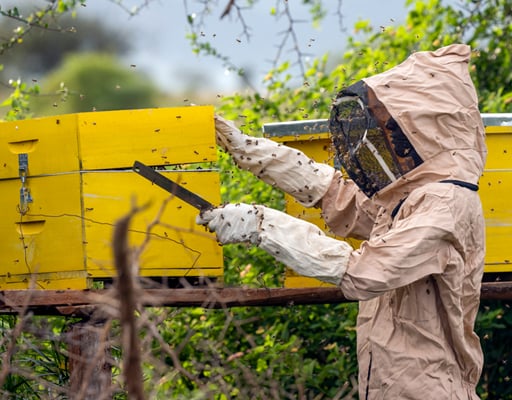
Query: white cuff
x,y
302,246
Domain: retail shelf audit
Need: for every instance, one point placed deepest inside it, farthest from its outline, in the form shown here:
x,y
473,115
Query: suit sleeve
x,y
346,209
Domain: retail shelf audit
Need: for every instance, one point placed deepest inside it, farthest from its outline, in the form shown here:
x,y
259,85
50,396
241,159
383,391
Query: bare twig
x,y
174,358
128,292
340,16
246,30
228,8
289,34
134,10
197,22
22,309
34,20
11,348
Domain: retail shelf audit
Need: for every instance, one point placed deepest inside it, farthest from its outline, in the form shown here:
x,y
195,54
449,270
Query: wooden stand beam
x,y
84,302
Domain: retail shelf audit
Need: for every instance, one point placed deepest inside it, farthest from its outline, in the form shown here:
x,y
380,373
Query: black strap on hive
x,y
463,184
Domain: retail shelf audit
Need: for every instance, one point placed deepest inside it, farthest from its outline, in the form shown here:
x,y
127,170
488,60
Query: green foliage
x,y
18,102
42,18
494,327
36,359
430,25
488,28
253,353
22,19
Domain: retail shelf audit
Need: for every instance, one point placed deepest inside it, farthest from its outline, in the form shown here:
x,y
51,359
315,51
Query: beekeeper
x,y
412,142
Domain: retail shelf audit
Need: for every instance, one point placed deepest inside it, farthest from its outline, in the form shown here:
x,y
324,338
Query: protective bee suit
x,y
412,143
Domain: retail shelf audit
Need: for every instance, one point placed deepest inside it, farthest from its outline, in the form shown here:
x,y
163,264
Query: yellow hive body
x,y
67,179
495,184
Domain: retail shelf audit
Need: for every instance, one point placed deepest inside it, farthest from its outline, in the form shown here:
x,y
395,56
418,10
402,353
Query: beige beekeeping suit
x,y
417,274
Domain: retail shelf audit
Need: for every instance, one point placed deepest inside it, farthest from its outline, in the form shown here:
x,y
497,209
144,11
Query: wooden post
x,y
89,367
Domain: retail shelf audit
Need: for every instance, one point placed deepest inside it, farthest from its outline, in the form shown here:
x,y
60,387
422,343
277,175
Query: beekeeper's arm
x,y
419,246
297,243
278,165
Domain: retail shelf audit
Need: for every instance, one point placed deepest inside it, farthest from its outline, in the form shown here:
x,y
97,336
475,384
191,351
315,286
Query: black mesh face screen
x,y
365,148
402,146
352,128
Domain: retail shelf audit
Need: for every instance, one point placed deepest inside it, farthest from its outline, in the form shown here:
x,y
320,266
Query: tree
x,y
43,50
91,81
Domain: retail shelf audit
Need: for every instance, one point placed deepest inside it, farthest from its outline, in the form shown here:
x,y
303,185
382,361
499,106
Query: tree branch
x,y
228,8
128,292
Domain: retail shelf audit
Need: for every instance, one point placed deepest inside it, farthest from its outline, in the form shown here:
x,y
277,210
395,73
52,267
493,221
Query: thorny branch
x,y
132,11
11,348
290,34
246,30
197,22
339,14
174,355
290,40
39,18
227,10
33,20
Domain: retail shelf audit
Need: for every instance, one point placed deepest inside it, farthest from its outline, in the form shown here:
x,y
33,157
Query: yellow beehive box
x,y
495,189
313,139
67,179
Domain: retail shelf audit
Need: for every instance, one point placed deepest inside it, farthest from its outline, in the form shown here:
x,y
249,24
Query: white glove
x,y
233,223
300,245
278,165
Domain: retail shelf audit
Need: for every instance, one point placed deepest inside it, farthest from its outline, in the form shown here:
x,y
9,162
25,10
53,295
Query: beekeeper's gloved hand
x,y
300,245
233,223
278,165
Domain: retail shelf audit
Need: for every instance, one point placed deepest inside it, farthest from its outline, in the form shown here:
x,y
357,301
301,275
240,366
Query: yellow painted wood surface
x,y
495,192
80,180
71,280
154,136
105,140
175,242
51,144
47,240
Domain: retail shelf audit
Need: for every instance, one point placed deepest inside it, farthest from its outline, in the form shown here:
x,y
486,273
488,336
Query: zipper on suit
x,y
368,377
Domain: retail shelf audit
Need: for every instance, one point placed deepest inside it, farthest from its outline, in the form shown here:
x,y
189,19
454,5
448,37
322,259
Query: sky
x,y
161,50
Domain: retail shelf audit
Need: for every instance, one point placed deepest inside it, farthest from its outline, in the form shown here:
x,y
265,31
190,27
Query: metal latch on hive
x,y
25,196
